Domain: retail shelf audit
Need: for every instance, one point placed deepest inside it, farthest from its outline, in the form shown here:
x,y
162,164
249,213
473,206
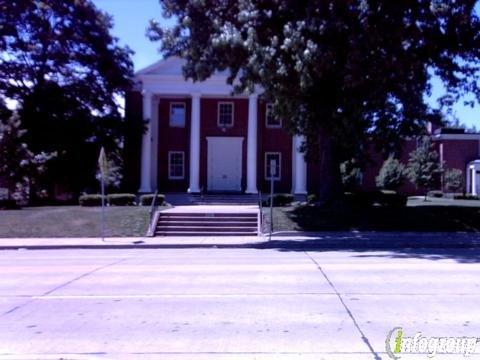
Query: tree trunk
x,y
330,183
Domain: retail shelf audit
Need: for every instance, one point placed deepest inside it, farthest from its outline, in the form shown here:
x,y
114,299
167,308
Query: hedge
x,y
146,200
8,204
279,200
91,200
390,198
121,199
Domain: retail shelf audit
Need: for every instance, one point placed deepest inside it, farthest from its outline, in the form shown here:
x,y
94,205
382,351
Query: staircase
x,y
207,223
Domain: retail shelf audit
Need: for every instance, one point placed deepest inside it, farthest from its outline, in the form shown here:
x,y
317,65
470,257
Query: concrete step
x,y
207,219
209,215
212,233
206,228
227,223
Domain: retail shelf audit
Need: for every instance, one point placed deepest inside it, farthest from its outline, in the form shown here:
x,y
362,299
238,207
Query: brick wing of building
x,y
198,137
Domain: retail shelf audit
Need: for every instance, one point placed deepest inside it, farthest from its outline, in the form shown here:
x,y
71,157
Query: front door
x,y
224,163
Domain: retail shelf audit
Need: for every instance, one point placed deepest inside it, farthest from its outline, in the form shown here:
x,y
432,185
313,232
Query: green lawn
x,y
434,215
73,221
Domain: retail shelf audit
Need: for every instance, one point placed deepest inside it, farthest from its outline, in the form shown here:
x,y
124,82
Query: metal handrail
x,y
260,220
153,208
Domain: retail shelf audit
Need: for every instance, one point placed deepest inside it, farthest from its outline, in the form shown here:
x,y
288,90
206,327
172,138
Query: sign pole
x,y
272,172
103,166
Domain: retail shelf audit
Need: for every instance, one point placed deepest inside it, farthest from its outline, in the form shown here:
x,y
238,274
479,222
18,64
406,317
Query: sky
x,y
131,18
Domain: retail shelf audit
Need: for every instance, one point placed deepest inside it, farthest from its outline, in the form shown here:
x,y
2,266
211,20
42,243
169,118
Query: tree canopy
x,y
60,62
352,70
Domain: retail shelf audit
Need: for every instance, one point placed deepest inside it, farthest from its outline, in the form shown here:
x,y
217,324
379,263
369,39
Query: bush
x,y
391,175
8,204
465,197
435,193
91,200
279,200
453,180
389,198
121,199
312,198
359,199
146,200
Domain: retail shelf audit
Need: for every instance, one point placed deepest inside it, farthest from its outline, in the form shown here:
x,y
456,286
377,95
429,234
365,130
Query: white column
x,y
252,145
154,147
194,186
146,161
299,167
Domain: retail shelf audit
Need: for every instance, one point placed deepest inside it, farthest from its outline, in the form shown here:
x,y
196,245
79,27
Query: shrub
x,y
91,200
121,199
312,198
465,197
351,174
359,199
389,198
8,204
391,175
435,193
453,180
146,200
279,200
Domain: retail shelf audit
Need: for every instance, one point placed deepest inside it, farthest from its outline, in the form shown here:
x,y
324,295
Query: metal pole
x,y
103,207
272,174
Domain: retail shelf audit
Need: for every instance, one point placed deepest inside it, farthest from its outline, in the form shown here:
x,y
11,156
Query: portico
x,y
214,120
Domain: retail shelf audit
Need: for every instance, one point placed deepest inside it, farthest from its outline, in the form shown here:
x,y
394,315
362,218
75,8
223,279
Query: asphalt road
x,y
231,303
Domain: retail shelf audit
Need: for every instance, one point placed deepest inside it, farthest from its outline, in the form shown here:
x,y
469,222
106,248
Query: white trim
x,y
265,165
269,126
457,137
184,104
220,103
171,177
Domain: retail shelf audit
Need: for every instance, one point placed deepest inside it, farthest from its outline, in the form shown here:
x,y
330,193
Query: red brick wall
x,y
172,139
273,140
209,127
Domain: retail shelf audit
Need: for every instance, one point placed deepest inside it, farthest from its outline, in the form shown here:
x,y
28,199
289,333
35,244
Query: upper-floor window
x,y
225,114
177,114
273,165
270,120
176,165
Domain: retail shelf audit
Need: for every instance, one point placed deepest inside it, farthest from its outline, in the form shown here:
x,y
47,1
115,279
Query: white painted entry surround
x,y
224,163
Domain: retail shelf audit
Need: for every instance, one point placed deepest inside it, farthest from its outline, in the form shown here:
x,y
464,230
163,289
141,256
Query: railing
x,y
153,215
260,214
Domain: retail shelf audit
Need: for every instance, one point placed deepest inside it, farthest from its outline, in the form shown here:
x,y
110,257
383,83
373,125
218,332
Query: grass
x,y
73,221
433,215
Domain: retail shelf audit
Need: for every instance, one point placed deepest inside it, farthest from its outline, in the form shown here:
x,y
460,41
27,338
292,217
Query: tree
x,y
66,71
19,167
391,175
424,167
453,180
340,72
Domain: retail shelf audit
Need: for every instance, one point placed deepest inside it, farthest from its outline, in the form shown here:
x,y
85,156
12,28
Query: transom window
x,y
273,165
270,120
176,162
177,114
225,114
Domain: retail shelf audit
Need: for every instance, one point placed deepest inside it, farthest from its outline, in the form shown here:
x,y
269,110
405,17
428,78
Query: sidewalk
x,y
291,240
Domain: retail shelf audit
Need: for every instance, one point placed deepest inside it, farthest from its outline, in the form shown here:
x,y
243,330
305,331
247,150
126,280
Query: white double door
x,y
224,159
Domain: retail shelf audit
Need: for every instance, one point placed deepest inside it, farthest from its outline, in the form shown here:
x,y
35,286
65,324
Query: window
x,y
225,114
270,120
273,165
177,114
176,164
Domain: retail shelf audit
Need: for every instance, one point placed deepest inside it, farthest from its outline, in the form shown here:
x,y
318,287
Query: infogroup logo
x,y
397,344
